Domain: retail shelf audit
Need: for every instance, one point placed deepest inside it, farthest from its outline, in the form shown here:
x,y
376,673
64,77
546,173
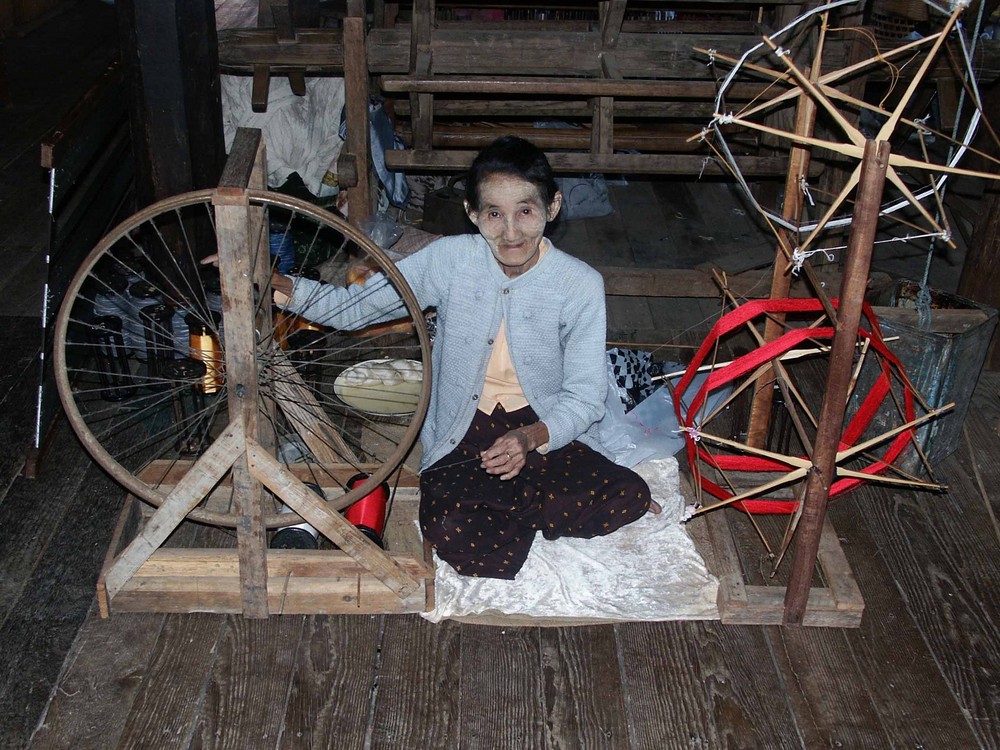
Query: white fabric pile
x,y
648,570
300,131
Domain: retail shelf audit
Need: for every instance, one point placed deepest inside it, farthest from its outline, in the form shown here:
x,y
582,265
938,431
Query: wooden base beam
x,y
301,582
837,605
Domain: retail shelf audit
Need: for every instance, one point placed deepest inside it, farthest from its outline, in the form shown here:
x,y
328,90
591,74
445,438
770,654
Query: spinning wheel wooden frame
x,y
253,579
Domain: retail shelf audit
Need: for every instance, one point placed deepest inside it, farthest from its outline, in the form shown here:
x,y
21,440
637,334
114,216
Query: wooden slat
x,y
248,683
567,86
306,596
281,563
605,139
164,474
703,684
212,465
460,49
673,164
330,693
674,282
329,523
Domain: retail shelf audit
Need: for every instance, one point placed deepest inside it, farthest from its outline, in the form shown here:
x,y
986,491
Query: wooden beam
x,y
831,420
328,522
236,272
189,491
359,196
679,164
548,86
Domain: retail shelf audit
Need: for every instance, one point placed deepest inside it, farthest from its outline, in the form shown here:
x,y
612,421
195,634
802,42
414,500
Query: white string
x,y
804,186
704,163
799,257
711,57
692,432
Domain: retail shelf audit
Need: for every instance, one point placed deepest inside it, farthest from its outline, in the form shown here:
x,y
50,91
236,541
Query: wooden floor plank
x,y
102,677
625,313
915,704
106,668
246,698
817,665
331,688
20,340
942,553
56,580
166,710
419,683
502,698
584,700
33,511
607,243
978,447
702,685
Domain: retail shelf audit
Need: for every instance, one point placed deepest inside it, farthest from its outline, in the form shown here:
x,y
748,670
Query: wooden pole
x,y
831,420
980,279
359,195
798,167
237,269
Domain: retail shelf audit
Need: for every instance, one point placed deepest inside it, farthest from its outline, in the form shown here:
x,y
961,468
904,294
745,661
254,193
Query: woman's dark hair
x,y
513,156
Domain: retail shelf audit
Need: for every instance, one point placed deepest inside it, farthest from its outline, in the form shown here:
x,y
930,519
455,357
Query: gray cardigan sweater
x,y
556,331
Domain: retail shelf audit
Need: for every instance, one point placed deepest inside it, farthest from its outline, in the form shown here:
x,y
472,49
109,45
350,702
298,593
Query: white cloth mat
x,y
648,570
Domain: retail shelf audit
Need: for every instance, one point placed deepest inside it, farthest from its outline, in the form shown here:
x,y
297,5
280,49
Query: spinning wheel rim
x,y
129,479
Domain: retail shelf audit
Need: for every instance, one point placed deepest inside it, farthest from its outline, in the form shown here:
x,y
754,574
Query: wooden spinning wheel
x,y
201,400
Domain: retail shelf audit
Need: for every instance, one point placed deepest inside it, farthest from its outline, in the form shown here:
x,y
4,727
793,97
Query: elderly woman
x,y
510,443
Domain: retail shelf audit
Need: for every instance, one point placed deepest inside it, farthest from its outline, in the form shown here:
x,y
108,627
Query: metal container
x,y
942,360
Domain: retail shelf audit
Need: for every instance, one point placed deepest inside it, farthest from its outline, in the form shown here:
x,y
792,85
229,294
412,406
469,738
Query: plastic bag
x,y
649,430
382,229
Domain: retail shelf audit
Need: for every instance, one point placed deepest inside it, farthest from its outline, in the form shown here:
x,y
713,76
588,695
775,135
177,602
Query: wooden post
x,y
980,279
359,196
171,65
798,167
236,270
831,421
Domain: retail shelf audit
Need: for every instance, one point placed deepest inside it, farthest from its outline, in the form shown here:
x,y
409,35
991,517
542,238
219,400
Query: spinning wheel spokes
x,y
144,344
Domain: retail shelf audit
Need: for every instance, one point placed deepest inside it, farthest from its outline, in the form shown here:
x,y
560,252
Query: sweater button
x,y
506,291
475,396
490,342
452,442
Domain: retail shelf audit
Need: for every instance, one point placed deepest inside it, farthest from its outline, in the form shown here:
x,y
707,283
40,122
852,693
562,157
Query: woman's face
x,y
512,218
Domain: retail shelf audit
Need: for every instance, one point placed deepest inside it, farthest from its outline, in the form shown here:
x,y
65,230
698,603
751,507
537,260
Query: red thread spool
x,y
368,513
